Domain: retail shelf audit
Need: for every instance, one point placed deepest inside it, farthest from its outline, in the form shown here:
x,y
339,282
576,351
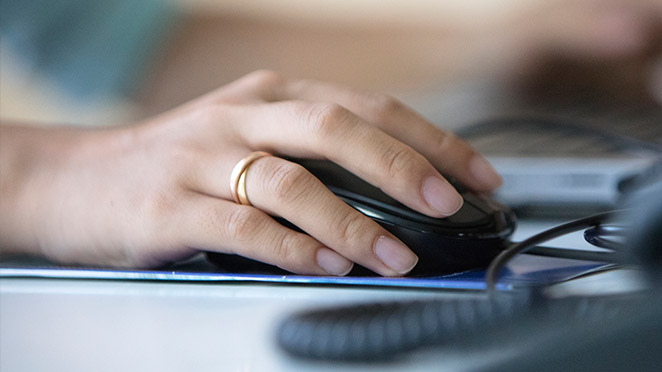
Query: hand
x,y
158,191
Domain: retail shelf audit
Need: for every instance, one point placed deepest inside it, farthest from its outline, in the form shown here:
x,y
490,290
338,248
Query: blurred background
x,y
97,62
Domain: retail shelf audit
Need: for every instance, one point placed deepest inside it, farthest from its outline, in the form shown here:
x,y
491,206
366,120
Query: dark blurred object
x,y
623,336
596,51
608,336
617,81
646,217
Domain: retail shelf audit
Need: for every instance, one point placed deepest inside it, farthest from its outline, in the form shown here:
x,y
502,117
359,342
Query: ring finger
x,y
283,188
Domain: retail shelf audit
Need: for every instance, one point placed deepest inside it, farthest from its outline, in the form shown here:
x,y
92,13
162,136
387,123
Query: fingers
x,y
330,131
221,226
445,151
280,187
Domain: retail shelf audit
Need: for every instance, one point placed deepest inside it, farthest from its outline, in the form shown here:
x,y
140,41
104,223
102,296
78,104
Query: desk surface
x,y
85,325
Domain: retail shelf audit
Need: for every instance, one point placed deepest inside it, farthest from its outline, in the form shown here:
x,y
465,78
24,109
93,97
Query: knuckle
x,y
159,205
325,119
183,154
241,224
444,142
398,159
157,213
385,107
289,182
265,78
351,227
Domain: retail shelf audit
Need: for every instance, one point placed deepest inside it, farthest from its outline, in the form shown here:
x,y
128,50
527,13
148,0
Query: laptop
x,y
575,160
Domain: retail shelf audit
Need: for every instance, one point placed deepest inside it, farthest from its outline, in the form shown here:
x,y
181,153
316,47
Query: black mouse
x,y
469,239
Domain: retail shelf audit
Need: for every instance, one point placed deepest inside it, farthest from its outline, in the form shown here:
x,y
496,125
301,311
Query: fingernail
x,y
441,196
482,171
333,263
395,255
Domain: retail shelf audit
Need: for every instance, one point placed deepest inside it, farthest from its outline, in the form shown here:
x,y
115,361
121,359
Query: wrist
x,y
16,167
38,173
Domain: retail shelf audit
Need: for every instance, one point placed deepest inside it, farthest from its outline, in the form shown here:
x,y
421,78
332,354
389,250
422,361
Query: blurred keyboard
x,y
570,160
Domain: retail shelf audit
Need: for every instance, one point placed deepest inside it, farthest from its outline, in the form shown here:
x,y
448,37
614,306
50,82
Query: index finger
x,y
302,129
445,151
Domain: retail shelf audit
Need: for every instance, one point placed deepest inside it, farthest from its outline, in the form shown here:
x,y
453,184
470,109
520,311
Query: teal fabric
x,y
91,48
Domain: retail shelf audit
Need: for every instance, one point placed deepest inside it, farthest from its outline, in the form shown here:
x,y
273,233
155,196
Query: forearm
x,y
16,163
30,157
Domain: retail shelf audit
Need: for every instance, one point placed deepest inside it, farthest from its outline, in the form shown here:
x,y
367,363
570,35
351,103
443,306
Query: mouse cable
x,y
596,235
574,254
610,237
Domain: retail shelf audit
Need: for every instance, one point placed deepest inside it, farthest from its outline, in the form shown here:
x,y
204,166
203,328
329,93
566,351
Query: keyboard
x,y
572,160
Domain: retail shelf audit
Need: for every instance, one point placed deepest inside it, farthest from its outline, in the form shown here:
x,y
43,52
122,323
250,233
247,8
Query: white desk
x,y
84,325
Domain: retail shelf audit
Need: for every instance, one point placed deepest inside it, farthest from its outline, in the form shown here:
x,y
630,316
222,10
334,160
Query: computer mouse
x,y
469,239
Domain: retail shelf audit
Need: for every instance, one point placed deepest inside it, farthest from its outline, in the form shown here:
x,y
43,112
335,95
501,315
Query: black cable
x,y
575,254
500,261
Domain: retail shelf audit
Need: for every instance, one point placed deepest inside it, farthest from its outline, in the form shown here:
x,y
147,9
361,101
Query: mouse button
x,y
342,182
370,210
482,202
327,174
390,209
469,214
475,200
375,199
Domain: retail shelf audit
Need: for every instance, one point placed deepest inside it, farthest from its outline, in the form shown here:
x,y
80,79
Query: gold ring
x,y
238,177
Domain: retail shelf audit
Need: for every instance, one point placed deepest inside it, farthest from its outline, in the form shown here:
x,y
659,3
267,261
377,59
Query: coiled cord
x,y
384,330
